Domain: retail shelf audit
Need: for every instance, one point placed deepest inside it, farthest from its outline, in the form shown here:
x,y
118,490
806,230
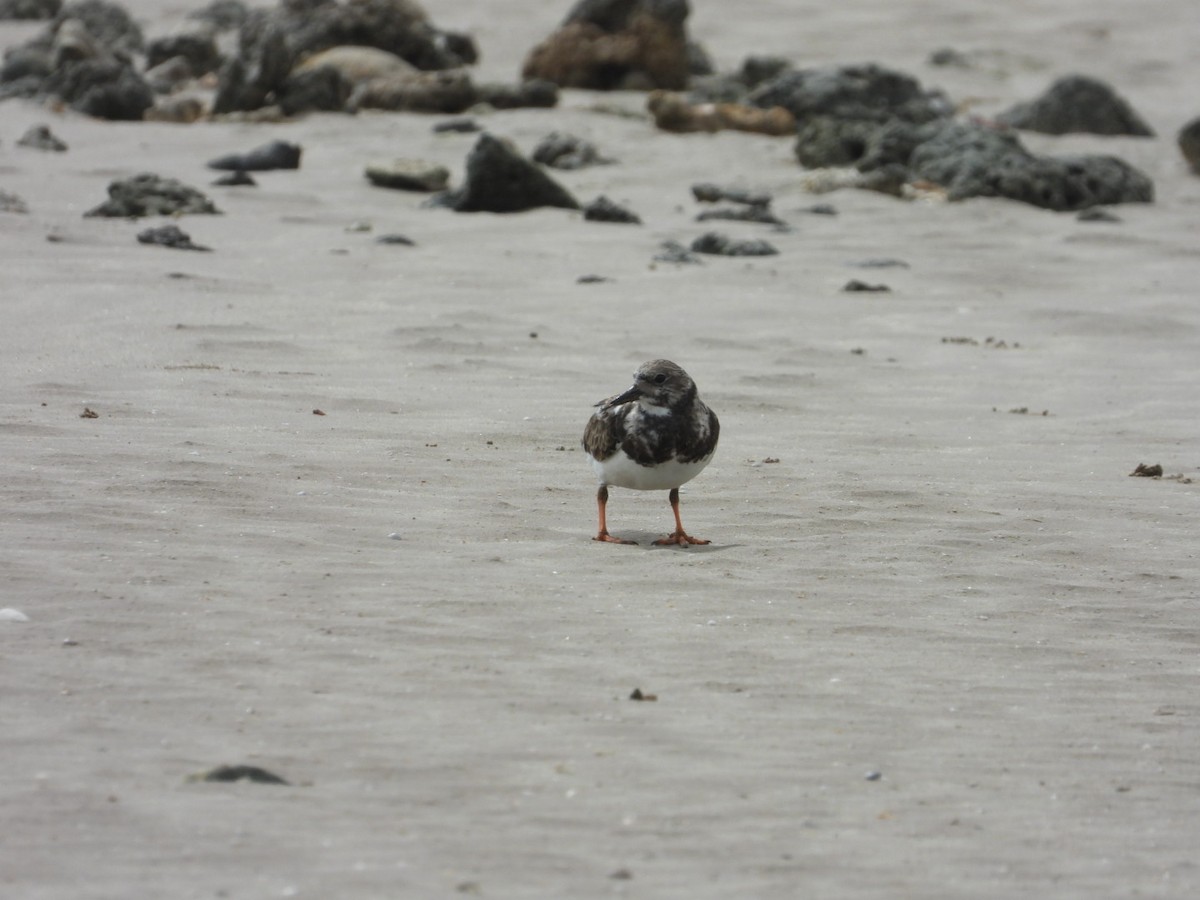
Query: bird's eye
x,y
660,378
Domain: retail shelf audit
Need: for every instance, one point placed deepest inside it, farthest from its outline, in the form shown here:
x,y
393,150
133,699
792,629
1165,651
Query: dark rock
x,y
1077,103
1189,144
272,155
169,236
11,203
263,64
1096,214
948,57
199,49
107,22
29,64
395,239
560,150
236,179
855,286
616,45
457,126
972,161
754,213
103,87
239,773
536,93
40,137
675,252
604,210
408,175
222,15
322,89
867,92
714,193
29,9
756,70
722,245
151,195
448,91
499,179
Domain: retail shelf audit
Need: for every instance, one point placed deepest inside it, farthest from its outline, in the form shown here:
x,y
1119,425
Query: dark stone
x,y
28,62
675,252
29,9
40,137
222,15
616,45
972,161
107,22
1189,144
560,150
457,126
499,179
200,51
103,87
236,179
825,141
868,92
151,195
272,155
323,89
604,210
754,213
263,64
714,193
1077,103
722,245
240,773
533,92
169,236
855,286
395,239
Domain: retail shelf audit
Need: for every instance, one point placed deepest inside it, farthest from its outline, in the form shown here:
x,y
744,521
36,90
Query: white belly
x,y
621,471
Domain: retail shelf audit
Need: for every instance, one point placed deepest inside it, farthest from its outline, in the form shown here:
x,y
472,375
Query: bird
x,y
656,436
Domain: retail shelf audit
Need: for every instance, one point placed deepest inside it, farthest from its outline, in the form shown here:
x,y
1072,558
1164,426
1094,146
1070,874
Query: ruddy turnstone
x,y
654,437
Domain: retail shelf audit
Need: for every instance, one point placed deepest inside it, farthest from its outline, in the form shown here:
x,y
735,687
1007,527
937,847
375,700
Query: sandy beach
x,y
941,644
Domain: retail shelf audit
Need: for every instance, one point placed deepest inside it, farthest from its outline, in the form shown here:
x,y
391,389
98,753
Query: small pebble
x,y
873,776
395,536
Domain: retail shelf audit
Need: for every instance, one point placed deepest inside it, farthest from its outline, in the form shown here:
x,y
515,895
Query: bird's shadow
x,y
645,541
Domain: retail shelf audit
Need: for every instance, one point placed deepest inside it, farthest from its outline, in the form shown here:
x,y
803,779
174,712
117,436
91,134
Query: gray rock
x,y
1189,144
40,137
499,179
1077,103
675,252
323,89
408,175
718,244
263,64
199,49
268,156
151,195
755,213
107,22
222,15
561,150
29,9
707,192
604,210
972,161
534,93
170,236
868,92
105,87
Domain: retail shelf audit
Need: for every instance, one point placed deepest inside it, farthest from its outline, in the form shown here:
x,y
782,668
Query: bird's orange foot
x,y
609,539
680,538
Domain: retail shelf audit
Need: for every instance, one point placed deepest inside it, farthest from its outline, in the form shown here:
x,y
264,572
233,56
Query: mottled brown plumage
x,y
657,435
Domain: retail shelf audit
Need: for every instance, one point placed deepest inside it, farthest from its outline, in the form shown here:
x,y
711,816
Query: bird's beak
x,y
632,394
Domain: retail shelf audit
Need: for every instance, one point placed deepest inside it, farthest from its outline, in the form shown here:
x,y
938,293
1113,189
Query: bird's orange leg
x,y
601,502
680,537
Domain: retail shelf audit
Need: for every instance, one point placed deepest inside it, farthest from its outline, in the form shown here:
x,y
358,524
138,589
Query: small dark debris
x,y
712,193
395,239
591,279
820,209
675,252
718,244
604,210
768,460
874,776
856,286
89,413
621,875
236,178
1145,471
170,236
961,340
318,412
457,126
533,335
859,351
1025,411
239,773
755,213
645,698
885,262
1097,214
